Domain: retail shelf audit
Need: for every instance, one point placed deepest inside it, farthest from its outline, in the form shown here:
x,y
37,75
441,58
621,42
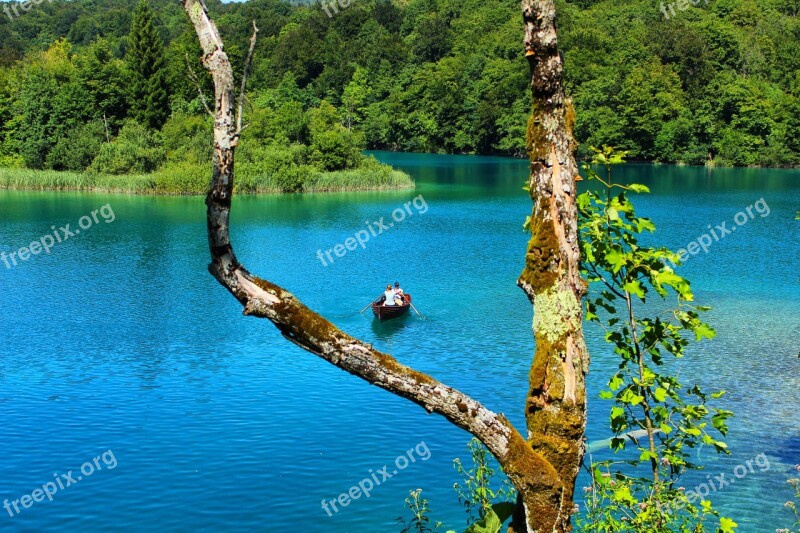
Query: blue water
x,y
119,340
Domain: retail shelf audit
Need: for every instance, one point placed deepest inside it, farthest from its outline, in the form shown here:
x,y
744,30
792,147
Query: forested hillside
x,y
718,84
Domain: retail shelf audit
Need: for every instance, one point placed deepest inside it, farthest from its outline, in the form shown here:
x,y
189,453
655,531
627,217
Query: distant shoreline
x,y
585,158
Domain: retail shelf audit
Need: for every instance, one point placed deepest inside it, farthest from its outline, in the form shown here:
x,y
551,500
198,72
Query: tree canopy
x,y
717,82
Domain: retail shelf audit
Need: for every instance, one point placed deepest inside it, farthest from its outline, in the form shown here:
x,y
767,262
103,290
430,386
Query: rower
x,y
388,296
399,293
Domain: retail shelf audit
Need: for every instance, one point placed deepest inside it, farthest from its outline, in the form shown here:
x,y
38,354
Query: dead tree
x,y
556,404
541,469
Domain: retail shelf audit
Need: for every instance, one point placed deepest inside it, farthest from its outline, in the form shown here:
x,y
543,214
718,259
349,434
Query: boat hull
x,y
388,312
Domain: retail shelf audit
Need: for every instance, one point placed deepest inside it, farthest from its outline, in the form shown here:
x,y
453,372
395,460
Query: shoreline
x,y
582,160
100,190
163,184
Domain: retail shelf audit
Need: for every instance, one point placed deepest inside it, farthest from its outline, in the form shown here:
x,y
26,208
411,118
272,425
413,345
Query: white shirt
x,y
389,295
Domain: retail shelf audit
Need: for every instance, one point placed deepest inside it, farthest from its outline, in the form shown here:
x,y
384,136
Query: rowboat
x,y
388,312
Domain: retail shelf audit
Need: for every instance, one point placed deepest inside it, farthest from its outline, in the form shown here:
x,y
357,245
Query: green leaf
x,y
630,397
647,455
616,258
634,287
638,187
704,330
645,224
660,394
623,494
490,524
671,279
504,510
616,382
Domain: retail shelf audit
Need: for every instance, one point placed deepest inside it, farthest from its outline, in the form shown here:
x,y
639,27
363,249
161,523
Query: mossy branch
x,y
538,482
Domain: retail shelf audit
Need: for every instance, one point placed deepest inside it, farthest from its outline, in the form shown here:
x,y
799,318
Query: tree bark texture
x,y
556,404
544,499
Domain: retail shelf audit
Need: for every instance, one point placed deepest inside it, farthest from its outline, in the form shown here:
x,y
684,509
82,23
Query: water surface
x,y
120,340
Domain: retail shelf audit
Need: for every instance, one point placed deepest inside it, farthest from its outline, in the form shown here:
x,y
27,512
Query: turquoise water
x,y
120,341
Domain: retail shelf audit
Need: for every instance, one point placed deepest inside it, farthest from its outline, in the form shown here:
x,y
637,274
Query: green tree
x,y
150,104
52,103
650,97
106,81
332,146
655,417
78,148
354,97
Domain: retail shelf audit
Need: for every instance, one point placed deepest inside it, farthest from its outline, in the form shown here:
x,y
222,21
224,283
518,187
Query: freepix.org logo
x,y
58,236
60,483
362,237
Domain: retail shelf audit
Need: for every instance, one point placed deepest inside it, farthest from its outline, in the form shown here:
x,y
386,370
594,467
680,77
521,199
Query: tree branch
x,y
540,487
247,64
196,81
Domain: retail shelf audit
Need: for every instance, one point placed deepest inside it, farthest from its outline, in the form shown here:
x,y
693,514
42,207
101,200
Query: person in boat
x,y
399,293
388,296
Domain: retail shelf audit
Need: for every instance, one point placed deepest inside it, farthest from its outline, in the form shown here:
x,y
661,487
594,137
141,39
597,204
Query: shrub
x,y
11,161
188,139
336,149
78,149
272,168
333,147
183,178
136,150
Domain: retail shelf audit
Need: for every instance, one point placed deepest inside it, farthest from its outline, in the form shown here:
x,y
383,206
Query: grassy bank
x,y
194,180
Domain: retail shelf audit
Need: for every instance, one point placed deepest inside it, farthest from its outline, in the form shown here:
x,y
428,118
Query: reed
x,y
361,179
194,179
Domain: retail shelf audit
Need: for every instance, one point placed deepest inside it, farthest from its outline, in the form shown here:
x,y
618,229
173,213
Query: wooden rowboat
x,y
388,312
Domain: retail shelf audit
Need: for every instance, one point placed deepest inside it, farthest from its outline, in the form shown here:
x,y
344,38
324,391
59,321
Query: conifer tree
x,y
150,104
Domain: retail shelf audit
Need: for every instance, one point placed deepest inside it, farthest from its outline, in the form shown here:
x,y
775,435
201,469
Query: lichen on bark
x,y
556,313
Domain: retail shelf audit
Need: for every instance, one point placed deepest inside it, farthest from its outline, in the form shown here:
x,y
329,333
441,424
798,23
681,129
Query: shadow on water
x,y
385,330
789,450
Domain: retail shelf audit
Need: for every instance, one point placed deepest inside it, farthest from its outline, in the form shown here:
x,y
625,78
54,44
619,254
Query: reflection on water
x,y
386,329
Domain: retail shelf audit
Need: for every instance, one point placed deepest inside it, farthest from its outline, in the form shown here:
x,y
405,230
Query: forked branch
x,y
540,487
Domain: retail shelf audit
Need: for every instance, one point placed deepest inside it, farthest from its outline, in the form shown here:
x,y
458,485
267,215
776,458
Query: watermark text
x,y
60,482
717,233
362,237
58,236
376,479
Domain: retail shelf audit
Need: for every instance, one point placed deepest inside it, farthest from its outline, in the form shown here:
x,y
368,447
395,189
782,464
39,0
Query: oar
x,y
369,304
415,309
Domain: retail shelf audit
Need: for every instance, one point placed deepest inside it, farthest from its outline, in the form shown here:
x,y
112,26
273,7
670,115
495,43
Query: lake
x,y
119,351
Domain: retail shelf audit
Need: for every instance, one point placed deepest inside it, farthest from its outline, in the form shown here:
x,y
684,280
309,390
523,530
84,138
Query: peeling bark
x,y
543,495
556,404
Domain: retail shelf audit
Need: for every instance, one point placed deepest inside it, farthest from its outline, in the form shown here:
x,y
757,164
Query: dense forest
x,y
84,87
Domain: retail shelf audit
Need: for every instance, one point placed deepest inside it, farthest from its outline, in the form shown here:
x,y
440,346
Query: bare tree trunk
x,y
545,506
556,405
